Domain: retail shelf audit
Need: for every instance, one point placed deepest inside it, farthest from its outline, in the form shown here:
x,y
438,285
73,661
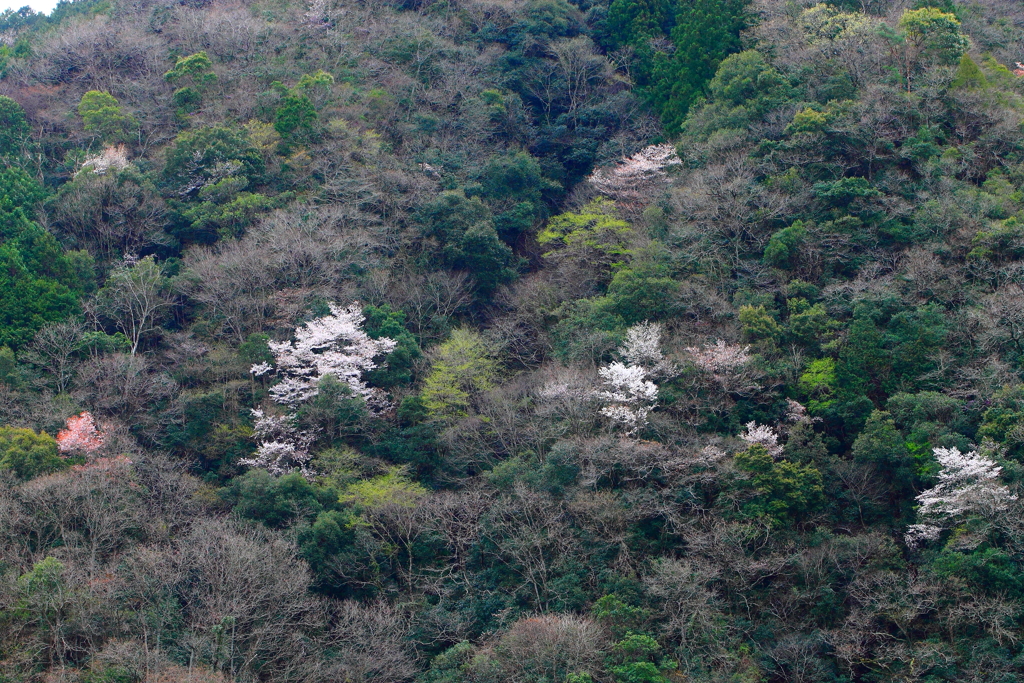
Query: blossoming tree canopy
x,y
763,435
968,485
80,435
332,345
283,448
631,395
719,357
643,168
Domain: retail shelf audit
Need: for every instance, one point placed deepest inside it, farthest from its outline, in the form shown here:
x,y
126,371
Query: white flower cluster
x,y
968,484
646,166
632,395
112,158
763,435
719,358
334,345
282,447
921,534
643,348
797,413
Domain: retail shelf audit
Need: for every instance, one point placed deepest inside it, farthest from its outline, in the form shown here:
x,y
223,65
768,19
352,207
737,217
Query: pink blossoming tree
x,y
80,435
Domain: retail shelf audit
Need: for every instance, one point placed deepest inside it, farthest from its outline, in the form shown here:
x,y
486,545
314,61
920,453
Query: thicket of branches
x,y
529,341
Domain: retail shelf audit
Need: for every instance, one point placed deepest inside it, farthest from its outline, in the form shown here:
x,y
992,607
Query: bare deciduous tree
x,y
548,647
132,298
53,350
370,644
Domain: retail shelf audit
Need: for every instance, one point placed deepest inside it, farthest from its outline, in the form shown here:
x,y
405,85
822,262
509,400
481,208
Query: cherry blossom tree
x,y
719,373
334,345
763,435
796,413
968,484
642,348
631,398
283,448
633,175
112,159
631,395
719,358
80,435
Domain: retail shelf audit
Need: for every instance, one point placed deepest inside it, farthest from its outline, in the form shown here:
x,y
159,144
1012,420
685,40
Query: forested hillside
x,y
512,341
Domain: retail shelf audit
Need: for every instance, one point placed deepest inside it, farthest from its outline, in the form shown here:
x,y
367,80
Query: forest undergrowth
x,y
518,341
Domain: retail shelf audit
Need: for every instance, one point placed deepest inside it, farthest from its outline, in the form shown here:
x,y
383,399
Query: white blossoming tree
x,y
639,172
796,413
763,435
631,397
334,345
719,359
719,373
283,448
968,485
642,348
631,393
111,159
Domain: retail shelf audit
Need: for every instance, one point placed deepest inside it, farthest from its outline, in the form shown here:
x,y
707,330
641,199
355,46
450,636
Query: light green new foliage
x,y
808,120
462,367
337,467
320,79
969,75
818,383
39,592
824,25
934,35
316,86
819,377
28,454
595,227
198,68
393,488
758,324
194,73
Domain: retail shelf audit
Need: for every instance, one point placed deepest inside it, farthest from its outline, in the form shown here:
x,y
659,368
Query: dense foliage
x,y
533,341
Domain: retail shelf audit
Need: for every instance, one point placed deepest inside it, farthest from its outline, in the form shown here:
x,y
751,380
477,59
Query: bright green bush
x,y
27,454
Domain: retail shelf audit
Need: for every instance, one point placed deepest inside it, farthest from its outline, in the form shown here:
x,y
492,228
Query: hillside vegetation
x,y
518,341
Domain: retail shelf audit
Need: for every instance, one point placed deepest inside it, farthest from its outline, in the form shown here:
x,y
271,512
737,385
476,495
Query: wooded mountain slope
x,y
515,341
